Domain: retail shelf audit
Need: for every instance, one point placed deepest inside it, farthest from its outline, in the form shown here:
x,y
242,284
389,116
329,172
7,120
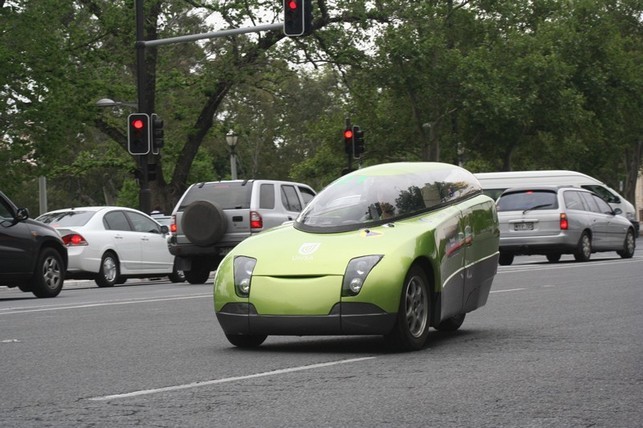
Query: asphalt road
x,y
557,345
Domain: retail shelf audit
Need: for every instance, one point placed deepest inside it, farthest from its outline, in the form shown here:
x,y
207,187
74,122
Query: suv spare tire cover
x,y
203,223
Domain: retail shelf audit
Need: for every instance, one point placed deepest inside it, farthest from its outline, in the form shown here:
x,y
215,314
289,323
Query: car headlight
x,y
356,273
243,268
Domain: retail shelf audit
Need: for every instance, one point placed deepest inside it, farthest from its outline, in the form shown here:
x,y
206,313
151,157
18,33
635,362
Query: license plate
x,y
524,226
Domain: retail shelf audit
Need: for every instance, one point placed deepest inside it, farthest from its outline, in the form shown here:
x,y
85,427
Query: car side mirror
x,y
165,230
618,211
22,214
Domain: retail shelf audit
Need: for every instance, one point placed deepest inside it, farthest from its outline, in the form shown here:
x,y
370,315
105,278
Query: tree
x,y
517,84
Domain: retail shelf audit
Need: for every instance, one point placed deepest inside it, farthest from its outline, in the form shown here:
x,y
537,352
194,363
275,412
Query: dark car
x,y
33,256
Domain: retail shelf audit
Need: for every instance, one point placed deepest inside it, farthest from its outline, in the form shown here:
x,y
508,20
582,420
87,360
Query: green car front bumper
x,y
343,319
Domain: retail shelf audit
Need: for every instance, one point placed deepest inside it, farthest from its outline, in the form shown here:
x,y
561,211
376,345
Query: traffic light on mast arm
x,y
157,134
138,133
298,17
348,141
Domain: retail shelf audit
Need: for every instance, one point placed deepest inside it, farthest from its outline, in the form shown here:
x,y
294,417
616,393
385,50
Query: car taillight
x,y
74,240
173,225
256,222
564,224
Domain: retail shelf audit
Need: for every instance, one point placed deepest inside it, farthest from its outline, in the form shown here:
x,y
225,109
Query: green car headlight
x,y
243,268
356,273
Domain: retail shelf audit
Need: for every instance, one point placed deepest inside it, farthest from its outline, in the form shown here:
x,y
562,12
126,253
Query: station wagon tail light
x,y
243,268
564,224
356,273
74,240
173,225
256,222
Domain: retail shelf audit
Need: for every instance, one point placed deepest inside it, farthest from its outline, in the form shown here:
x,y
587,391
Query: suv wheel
x,y
584,248
49,275
203,223
199,276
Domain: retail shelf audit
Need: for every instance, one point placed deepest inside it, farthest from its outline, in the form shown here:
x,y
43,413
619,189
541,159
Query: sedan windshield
x,y
356,200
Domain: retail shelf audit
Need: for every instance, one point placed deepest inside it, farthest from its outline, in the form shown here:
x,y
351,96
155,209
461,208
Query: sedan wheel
x,y
628,246
109,272
412,326
49,275
584,248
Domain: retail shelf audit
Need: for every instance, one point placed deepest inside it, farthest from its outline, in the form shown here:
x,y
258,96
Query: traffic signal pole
x,y
302,21
145,195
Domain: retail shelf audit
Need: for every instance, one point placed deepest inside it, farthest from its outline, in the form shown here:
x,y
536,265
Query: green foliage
x,y
503,84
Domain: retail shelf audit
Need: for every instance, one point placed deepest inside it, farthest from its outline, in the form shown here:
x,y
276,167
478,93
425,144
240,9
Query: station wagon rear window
x,y
528,200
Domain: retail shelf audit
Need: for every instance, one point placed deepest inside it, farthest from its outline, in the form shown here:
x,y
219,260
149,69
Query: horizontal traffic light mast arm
x,y
212,35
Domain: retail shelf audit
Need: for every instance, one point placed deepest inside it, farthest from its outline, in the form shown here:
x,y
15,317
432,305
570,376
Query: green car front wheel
x,y
412,327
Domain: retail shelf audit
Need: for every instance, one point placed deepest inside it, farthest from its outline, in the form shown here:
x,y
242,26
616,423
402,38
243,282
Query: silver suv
x,y
211,218
552,221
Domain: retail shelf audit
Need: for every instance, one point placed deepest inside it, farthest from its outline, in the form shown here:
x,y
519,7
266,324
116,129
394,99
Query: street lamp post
x,y
232,138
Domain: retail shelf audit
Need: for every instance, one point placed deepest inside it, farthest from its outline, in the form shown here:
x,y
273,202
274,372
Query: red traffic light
x,y
138,124
138,134
348,133
297,17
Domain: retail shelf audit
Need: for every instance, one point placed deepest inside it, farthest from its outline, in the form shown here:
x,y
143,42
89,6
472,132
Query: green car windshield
x,y
361,199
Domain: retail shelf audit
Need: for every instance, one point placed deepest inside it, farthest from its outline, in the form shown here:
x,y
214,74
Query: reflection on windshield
x,y
357,199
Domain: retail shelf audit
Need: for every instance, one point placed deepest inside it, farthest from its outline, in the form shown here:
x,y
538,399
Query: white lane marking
x,y
225,380
14,310
506,291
